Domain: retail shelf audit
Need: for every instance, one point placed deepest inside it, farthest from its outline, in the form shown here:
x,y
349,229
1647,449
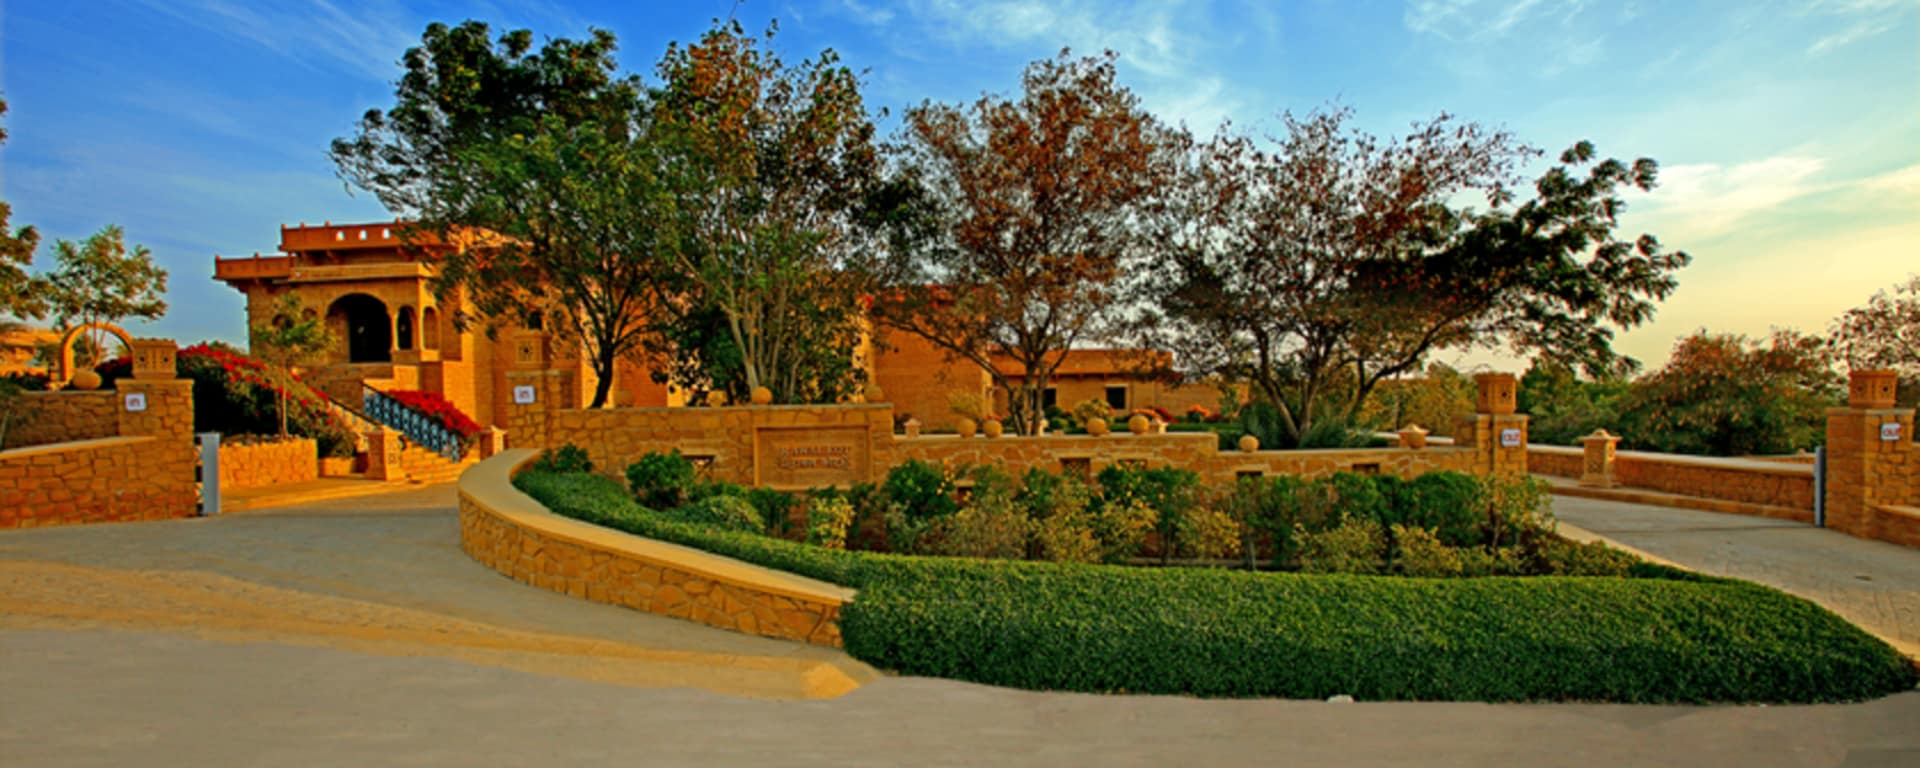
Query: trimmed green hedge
x,y
1228,633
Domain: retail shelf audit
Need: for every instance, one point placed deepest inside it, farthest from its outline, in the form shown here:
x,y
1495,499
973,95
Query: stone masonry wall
x,y
146,472
391,456
1783,484
58,417
268,463
606,571
1196,451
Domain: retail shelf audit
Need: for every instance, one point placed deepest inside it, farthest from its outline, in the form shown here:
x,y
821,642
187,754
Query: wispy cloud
x,y
1860,20
1553,37
1706,199
364,40
1161,41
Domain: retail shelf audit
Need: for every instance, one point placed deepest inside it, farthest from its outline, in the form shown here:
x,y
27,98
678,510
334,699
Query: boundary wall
x,y
508,531
142,470
798,447
1779,489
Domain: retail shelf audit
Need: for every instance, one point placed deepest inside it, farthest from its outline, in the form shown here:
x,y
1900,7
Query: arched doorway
x,y
369,332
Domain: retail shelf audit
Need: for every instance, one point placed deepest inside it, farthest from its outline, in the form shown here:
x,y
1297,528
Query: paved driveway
x,y
1871,583
356,633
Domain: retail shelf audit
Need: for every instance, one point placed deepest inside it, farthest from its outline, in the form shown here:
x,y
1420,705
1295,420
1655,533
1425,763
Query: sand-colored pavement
x,y
377,574
1871,583
356,633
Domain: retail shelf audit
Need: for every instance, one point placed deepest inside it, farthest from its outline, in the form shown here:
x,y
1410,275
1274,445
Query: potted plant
x,y
1094,414
970,407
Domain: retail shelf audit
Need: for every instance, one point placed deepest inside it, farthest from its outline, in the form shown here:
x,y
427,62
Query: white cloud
x,y
1459,20
1705,200
1869,18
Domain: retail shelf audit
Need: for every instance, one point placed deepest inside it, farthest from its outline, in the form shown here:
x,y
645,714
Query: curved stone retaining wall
x,y
513,534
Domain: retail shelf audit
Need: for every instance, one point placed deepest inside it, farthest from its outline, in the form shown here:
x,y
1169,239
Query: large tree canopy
x,y
1335,261
21,295
1033,205
545,152
773,167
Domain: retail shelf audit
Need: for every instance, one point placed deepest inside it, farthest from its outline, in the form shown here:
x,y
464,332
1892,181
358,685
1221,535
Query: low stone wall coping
x,y
489,485
1776,467
75,445
1057,440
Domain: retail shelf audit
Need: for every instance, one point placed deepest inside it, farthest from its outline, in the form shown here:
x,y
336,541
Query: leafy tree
x,y
1337,261
773,167
1884,333
1727,395
99,281
21,295
545,150
290,335
1564,407
1032,204
1431,400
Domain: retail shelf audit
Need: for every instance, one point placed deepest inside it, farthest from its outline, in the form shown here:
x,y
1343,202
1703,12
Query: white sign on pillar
x,y
1510,438
1890,432
523,394
137,402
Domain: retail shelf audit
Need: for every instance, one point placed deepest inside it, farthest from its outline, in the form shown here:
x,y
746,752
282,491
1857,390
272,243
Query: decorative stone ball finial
x,y
762,396
1249,443
1413,436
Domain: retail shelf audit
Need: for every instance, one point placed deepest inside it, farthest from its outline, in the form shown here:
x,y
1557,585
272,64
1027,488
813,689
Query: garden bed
x,y
1666,636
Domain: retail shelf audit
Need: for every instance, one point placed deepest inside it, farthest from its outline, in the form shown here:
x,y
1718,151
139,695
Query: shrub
x,y
562,460
1671,637
661,480
235,394
1171,493
1190,632
1518,508
1554,555
1086,410
1448,504
1121,529
775,508
730,513
1424,554
828,518
990,526
921,489
1357,546
1207,532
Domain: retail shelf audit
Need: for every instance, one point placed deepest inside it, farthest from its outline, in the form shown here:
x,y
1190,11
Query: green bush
x,y
775,507
731,513
1357,546
565,459
1448,504
661,480
1192,632
921,489
829,516
1666,637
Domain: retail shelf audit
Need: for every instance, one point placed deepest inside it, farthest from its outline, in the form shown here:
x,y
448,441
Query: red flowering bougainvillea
x,y
440,410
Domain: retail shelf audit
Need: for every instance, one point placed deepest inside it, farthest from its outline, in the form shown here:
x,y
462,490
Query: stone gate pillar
x,y
1497,434
1871,458
1596,465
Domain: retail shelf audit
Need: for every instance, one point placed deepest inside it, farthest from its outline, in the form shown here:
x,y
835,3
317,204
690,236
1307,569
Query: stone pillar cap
x,y
1414,428
1601,434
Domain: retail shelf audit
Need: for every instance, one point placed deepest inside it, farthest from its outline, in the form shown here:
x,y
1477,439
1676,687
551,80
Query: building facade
x,y
392,331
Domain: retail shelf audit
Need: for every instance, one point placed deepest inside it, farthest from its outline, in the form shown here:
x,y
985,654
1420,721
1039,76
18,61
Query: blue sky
x,y
1788,132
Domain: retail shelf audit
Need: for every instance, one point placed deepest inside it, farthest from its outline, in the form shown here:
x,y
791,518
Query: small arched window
x,y
403,328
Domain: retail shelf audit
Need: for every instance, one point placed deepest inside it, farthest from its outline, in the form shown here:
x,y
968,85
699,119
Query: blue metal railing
x,y
418,427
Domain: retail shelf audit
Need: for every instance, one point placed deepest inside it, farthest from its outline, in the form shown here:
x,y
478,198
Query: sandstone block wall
x,y
145,471
510,533
1787,485
58,417
390,456
1196,451
259,464
113,479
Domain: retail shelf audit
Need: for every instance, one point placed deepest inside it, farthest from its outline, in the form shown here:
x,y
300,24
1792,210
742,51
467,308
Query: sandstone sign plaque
x,y
810,457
